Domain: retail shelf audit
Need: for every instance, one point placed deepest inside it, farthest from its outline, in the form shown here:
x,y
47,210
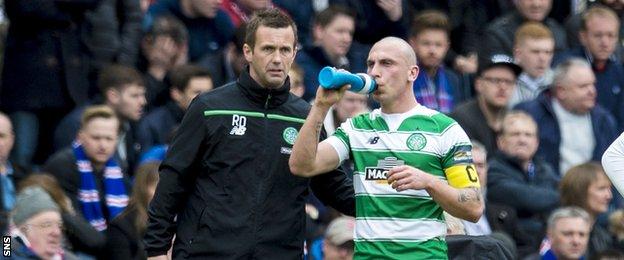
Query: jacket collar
x,y
268,98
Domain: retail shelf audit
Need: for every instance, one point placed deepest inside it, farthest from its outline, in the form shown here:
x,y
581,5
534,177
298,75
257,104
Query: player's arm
x,y
613,163
309,157
460,197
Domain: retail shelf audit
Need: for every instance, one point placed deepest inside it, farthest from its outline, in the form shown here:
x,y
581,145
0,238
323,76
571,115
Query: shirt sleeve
x,y
457,158
613,163
340,140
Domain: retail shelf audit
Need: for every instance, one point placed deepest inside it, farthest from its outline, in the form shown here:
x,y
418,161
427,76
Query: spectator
x,y
332,35
296,80
338,243
242,127
187,81
437,87
164,46
534,48
227,65
375,20
209,27
500,32
572,128
586,186
126,231
568,233
599,32
88,172
351,105
83,239
469,19
240,11
113,34
124,92
517,178
10,173
45,72
39,225
573,24
481,117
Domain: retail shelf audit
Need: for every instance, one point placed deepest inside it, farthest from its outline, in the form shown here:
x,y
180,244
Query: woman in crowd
x,y
126,230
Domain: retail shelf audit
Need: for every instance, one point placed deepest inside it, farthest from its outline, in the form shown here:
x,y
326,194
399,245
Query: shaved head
x,y
401,46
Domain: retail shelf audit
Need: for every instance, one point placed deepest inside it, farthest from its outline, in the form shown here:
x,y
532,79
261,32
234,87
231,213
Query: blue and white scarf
x,y
88,195
438,95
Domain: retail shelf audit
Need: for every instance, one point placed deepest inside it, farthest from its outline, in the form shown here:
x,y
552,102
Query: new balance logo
x,y
239,124
373,140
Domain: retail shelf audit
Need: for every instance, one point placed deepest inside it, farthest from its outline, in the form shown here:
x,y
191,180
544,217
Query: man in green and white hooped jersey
x,y
411,163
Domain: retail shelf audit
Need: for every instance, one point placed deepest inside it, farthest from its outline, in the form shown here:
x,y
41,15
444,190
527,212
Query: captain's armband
x,y
462,176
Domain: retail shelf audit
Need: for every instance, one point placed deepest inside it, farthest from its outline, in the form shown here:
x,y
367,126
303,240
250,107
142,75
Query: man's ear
x,y
112,95
248,52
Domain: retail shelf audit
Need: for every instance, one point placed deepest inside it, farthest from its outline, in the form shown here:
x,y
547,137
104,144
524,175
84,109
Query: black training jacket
x,y
226,177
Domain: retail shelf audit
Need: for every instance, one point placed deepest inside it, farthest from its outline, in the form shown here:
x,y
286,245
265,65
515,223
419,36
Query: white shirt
x,y
577,138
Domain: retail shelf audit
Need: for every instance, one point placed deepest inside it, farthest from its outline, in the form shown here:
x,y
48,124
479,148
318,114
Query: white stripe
x,y
113,173
364,187
98,224
394,229
395,141
88,196
84,166
341,149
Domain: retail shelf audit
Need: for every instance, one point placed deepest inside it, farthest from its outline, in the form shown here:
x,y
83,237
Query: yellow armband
x,y
462,176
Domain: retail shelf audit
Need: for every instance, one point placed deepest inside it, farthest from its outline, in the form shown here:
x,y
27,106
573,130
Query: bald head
x,y
399,45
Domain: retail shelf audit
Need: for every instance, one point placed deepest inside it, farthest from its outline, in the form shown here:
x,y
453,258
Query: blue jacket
x,y
206,35
604,126
156,128
609,83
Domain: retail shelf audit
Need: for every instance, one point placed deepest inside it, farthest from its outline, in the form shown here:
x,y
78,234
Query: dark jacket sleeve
x,y
118,243
336,190
502,188
82,235
175,177
131,18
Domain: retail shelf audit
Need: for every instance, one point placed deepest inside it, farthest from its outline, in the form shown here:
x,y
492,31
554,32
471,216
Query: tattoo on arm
x,y
317,128
469,195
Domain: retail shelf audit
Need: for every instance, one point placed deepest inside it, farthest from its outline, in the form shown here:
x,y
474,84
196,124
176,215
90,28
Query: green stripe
x,y
425,162
286,118
253,114
232,112
431,249
397,207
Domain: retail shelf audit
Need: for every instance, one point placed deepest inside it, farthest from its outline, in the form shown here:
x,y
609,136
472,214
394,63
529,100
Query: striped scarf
x,y
438,96
88,195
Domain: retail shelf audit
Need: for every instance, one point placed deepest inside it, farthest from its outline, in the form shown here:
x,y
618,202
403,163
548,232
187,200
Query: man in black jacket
x,y
226,176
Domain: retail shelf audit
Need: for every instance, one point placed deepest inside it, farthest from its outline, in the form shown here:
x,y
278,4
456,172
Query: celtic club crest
x,y
290,135
416,142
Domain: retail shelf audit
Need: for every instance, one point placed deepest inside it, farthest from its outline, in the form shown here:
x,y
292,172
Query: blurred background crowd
x,y
99,86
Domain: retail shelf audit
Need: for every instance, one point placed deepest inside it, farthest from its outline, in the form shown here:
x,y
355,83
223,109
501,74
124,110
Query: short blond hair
x,y
93,112
516,115
598,11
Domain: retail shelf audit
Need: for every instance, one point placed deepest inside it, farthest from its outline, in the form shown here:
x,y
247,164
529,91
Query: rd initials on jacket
x,y
239,125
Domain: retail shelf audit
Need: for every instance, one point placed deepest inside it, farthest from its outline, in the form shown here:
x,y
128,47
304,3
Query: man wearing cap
x,y
39,225
494,85
338,242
